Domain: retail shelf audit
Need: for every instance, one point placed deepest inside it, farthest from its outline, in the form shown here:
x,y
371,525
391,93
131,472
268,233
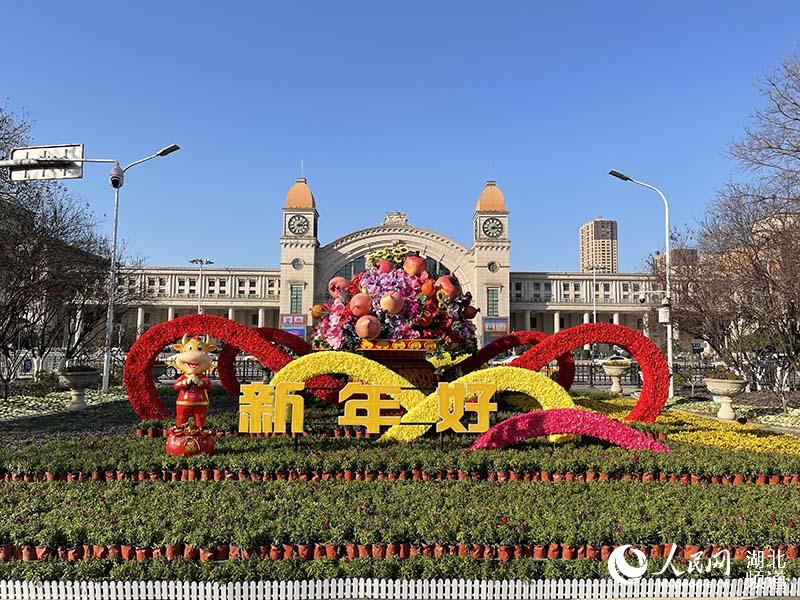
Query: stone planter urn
x,y
616,369
77,382
726,390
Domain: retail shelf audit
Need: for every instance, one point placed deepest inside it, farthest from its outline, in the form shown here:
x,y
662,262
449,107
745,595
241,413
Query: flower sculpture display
x,y
565,421
139,385
396,298
566,363
655,370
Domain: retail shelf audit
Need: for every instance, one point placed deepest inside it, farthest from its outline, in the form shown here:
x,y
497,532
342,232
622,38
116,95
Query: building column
x,y
616,319
528,320
262,313
139,321
556,322
170,313
232,314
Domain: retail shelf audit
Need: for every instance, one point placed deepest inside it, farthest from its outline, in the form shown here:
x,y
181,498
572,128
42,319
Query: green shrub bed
x,y
449,514
417,567
318,457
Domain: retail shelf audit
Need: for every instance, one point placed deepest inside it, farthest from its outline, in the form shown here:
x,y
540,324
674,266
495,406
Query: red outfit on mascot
x,y
192,399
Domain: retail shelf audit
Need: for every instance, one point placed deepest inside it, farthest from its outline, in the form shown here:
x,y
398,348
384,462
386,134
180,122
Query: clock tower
x,y
299,245
491,249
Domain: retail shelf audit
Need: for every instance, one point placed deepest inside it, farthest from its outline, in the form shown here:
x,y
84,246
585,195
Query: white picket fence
x,y
414,589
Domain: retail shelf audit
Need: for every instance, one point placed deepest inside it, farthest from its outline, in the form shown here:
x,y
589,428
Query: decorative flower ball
x,y
396,298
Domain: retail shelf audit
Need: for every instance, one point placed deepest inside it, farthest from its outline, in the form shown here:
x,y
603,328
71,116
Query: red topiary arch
x,y
138,379
651,361
566,363
565,420
227,356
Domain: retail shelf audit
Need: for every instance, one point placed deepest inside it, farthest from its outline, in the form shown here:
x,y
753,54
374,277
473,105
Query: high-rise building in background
x,y
598,246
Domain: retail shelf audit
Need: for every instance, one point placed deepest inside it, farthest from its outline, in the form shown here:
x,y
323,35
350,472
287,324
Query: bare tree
x,y
743,294
53,267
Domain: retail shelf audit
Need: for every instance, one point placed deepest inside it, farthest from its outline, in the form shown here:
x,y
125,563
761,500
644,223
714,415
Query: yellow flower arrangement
x,y
545,390
695,429
354,365
446,360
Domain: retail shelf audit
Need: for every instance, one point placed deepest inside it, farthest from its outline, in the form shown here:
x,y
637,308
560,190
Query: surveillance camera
x,y
116,177
642,298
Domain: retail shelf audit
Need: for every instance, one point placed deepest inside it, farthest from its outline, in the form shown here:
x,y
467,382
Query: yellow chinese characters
x,y
368,412
453,404
264,408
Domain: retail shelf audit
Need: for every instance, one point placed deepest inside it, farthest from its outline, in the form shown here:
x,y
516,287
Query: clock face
x,y
492,227
298,225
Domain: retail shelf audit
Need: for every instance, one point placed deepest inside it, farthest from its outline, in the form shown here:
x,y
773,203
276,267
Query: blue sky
x,y
401,106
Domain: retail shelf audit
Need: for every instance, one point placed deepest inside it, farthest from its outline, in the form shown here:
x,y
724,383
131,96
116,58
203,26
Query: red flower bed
x,y
566,363
138,380
651,361
565,420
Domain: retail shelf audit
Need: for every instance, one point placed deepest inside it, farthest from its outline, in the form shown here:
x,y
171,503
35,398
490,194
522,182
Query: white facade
x,y
514,300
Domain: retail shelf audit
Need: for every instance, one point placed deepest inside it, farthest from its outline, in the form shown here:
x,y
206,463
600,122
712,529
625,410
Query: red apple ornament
x,y
337,286
360,304
392,302
449,285
384,266
414,265
368,327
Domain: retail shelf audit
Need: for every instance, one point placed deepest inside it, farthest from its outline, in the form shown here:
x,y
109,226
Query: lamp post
x,y
593,269
666,303
66,162
201,262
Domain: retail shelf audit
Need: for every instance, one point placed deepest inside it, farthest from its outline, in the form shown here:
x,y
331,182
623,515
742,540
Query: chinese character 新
x,y
452,405
265,408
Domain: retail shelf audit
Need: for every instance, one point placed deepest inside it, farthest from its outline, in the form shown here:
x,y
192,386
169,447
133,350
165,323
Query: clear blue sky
x,y
394,106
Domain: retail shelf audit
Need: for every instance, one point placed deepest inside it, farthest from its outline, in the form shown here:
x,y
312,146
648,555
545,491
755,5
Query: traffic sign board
x,y
46,162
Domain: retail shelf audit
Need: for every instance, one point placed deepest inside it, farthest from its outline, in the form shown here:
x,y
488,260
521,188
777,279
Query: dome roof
x,y
491,198
299,195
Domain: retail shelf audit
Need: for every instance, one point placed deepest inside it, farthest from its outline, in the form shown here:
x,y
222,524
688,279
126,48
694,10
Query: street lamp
x,y
667,296
201,262
66,162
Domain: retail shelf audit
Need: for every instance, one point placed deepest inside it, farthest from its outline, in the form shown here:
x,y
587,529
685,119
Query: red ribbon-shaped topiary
x,y
566,363
655,370
565,420
138,379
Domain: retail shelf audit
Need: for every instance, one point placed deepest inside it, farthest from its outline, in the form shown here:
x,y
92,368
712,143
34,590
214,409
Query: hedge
x,y
317,454
250,515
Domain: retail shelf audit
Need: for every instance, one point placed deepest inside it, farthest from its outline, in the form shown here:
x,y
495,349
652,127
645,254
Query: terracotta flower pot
x,y
553,551
539,552
605,551
73,554
305,551
591,551
463,550
477,551
189,552
28,553
363,551
738,479
689,550
590,476
319,551
775,479
332,551
655,551
173,551
378,551
288,551
99,552
761,479
740,553
143,554
351,552
115,552
791,551
504,553
222,552
206,555
567,552
405,550
439,550
43,552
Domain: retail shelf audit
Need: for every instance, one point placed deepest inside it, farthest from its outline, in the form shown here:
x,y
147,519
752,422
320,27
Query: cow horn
x,y
206,339
185,338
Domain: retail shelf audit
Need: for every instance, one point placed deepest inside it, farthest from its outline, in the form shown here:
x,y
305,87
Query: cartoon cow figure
x,y
193,361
